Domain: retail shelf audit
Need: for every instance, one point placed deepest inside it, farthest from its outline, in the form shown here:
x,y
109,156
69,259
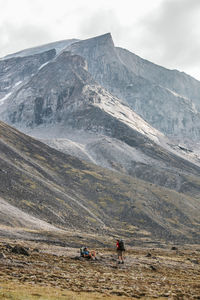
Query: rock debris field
x,y
148,273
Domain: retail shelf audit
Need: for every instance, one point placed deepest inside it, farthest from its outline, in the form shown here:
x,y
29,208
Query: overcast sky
x,y
166,32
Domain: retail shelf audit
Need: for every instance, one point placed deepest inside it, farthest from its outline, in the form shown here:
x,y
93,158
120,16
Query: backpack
x,y
121,245
82,249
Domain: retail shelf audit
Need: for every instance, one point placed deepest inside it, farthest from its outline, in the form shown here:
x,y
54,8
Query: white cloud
x,y
163,31
171,35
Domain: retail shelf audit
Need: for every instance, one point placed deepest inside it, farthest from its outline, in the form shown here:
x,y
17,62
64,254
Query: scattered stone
x,y
113,267
165,295
148,254
36,250
113,259
8,246
78,258
194,261
174,248
20,250
138,277
2,255
153,268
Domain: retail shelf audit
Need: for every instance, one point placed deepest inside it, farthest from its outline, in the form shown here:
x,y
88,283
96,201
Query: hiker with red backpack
x,y
120,249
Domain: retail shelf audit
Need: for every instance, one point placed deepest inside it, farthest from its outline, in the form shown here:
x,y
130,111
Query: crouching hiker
x,y
120,249
84,252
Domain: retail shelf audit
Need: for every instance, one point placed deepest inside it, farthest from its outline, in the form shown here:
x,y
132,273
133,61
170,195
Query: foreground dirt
x,y
146,274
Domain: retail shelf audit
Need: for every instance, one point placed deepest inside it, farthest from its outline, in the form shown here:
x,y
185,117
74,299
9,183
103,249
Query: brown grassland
x,y
55,272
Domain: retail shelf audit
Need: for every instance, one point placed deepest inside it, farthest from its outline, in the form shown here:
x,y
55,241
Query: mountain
x,y
44,191
168,100
80,99
62,100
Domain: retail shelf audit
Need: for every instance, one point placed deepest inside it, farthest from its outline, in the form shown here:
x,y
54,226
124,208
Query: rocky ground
x,y
41,270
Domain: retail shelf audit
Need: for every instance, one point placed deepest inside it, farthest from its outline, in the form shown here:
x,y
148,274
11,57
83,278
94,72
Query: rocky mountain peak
x,y
104,40
74,60
97,48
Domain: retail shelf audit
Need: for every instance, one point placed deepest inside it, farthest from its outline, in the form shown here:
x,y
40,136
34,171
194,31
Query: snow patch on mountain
x,y
18,83
46,63
2,100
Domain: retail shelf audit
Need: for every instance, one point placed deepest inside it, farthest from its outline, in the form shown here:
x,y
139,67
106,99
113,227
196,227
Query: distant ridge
x,y
58,46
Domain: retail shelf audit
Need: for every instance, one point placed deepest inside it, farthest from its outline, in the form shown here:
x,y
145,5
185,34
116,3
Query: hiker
x,y
88,254
120,249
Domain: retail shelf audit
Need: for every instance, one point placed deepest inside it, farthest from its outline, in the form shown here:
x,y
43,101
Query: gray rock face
x,y
168,100
50,95
178,82
16,71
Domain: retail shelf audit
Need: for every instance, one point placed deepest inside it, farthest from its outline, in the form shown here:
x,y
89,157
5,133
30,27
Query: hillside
x,y
78,197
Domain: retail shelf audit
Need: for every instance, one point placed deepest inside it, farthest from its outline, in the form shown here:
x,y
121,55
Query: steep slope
x,y
11,216
171,113
74,195
16,71
178,82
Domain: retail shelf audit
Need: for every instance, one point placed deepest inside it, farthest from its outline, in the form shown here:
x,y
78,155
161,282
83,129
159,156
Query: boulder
x,y
20,250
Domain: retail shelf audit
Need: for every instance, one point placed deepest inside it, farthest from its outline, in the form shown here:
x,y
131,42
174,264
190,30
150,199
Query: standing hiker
x,y
120,249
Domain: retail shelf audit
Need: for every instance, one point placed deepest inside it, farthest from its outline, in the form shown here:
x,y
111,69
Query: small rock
x,y
174,248
8,246
194,261
2,255
20,250
36,250
148,254
165,295
78,258
153,268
